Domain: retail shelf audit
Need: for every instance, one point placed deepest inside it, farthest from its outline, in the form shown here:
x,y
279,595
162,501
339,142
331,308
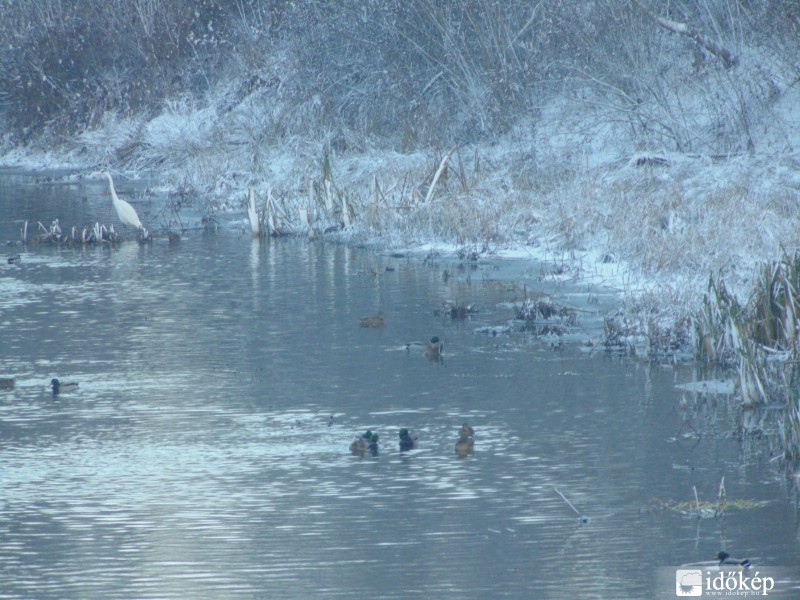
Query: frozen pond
x,y
205,452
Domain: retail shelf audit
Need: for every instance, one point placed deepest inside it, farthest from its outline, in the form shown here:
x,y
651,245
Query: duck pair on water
x,y
369,441
409,440
366,442
433,349
8,383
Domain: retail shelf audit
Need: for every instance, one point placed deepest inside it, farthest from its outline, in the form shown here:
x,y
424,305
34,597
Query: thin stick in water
x,y
722,498
584,519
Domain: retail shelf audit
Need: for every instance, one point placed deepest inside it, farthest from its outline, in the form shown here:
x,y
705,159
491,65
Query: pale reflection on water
x,y
198,457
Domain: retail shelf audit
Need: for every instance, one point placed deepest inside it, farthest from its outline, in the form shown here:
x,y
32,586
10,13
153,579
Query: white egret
x,y
125,211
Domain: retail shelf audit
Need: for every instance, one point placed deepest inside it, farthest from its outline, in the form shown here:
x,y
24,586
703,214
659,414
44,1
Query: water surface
x,y
205,453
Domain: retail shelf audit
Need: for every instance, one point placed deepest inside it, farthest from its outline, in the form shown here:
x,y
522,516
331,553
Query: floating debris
x,y
495,330
701,510
455,310
543,317
374,321
722,386
648,332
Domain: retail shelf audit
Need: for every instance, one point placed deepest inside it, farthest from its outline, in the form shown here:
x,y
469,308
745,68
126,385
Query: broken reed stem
x,y
442,165
345,212
722,498
271,224
328,196
252,214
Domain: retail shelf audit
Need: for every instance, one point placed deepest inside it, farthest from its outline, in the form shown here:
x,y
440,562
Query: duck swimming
x,y
466,441
58,387
362,443
359,446
408,439
726,560
373,444
465,445
434,348
7,383
373,321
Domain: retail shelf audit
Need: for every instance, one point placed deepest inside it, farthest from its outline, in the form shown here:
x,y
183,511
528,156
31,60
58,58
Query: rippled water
x,y
198,457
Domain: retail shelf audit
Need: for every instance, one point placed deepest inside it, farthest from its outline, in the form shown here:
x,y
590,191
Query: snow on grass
x,y
114,134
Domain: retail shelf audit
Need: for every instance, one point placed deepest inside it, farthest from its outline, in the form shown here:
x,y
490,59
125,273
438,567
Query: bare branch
x,y
684,29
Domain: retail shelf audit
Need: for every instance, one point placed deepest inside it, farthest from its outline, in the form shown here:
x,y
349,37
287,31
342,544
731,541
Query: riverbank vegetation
x,y
633,143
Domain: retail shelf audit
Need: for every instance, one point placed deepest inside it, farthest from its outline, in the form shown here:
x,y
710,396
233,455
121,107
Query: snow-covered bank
x,y
652,226
567,185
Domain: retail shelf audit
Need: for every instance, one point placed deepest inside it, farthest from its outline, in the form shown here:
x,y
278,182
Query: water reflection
x,y
198,457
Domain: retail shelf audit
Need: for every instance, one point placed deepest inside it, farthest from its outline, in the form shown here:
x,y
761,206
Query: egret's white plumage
x,y
125,211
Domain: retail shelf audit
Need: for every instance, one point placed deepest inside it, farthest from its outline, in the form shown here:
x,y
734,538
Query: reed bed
x,y
759,337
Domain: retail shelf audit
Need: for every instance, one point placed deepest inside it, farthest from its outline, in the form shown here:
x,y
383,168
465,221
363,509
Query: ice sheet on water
x,y
712,386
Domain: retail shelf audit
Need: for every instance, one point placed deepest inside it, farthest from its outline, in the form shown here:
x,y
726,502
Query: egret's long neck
x,y
111,186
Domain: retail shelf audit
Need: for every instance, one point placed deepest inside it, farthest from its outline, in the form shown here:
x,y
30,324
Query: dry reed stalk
x,y
345,212
328,196
722,498
270,210
439,171
252,214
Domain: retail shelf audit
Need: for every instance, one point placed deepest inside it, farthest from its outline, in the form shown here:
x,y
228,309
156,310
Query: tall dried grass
x,y
761,338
